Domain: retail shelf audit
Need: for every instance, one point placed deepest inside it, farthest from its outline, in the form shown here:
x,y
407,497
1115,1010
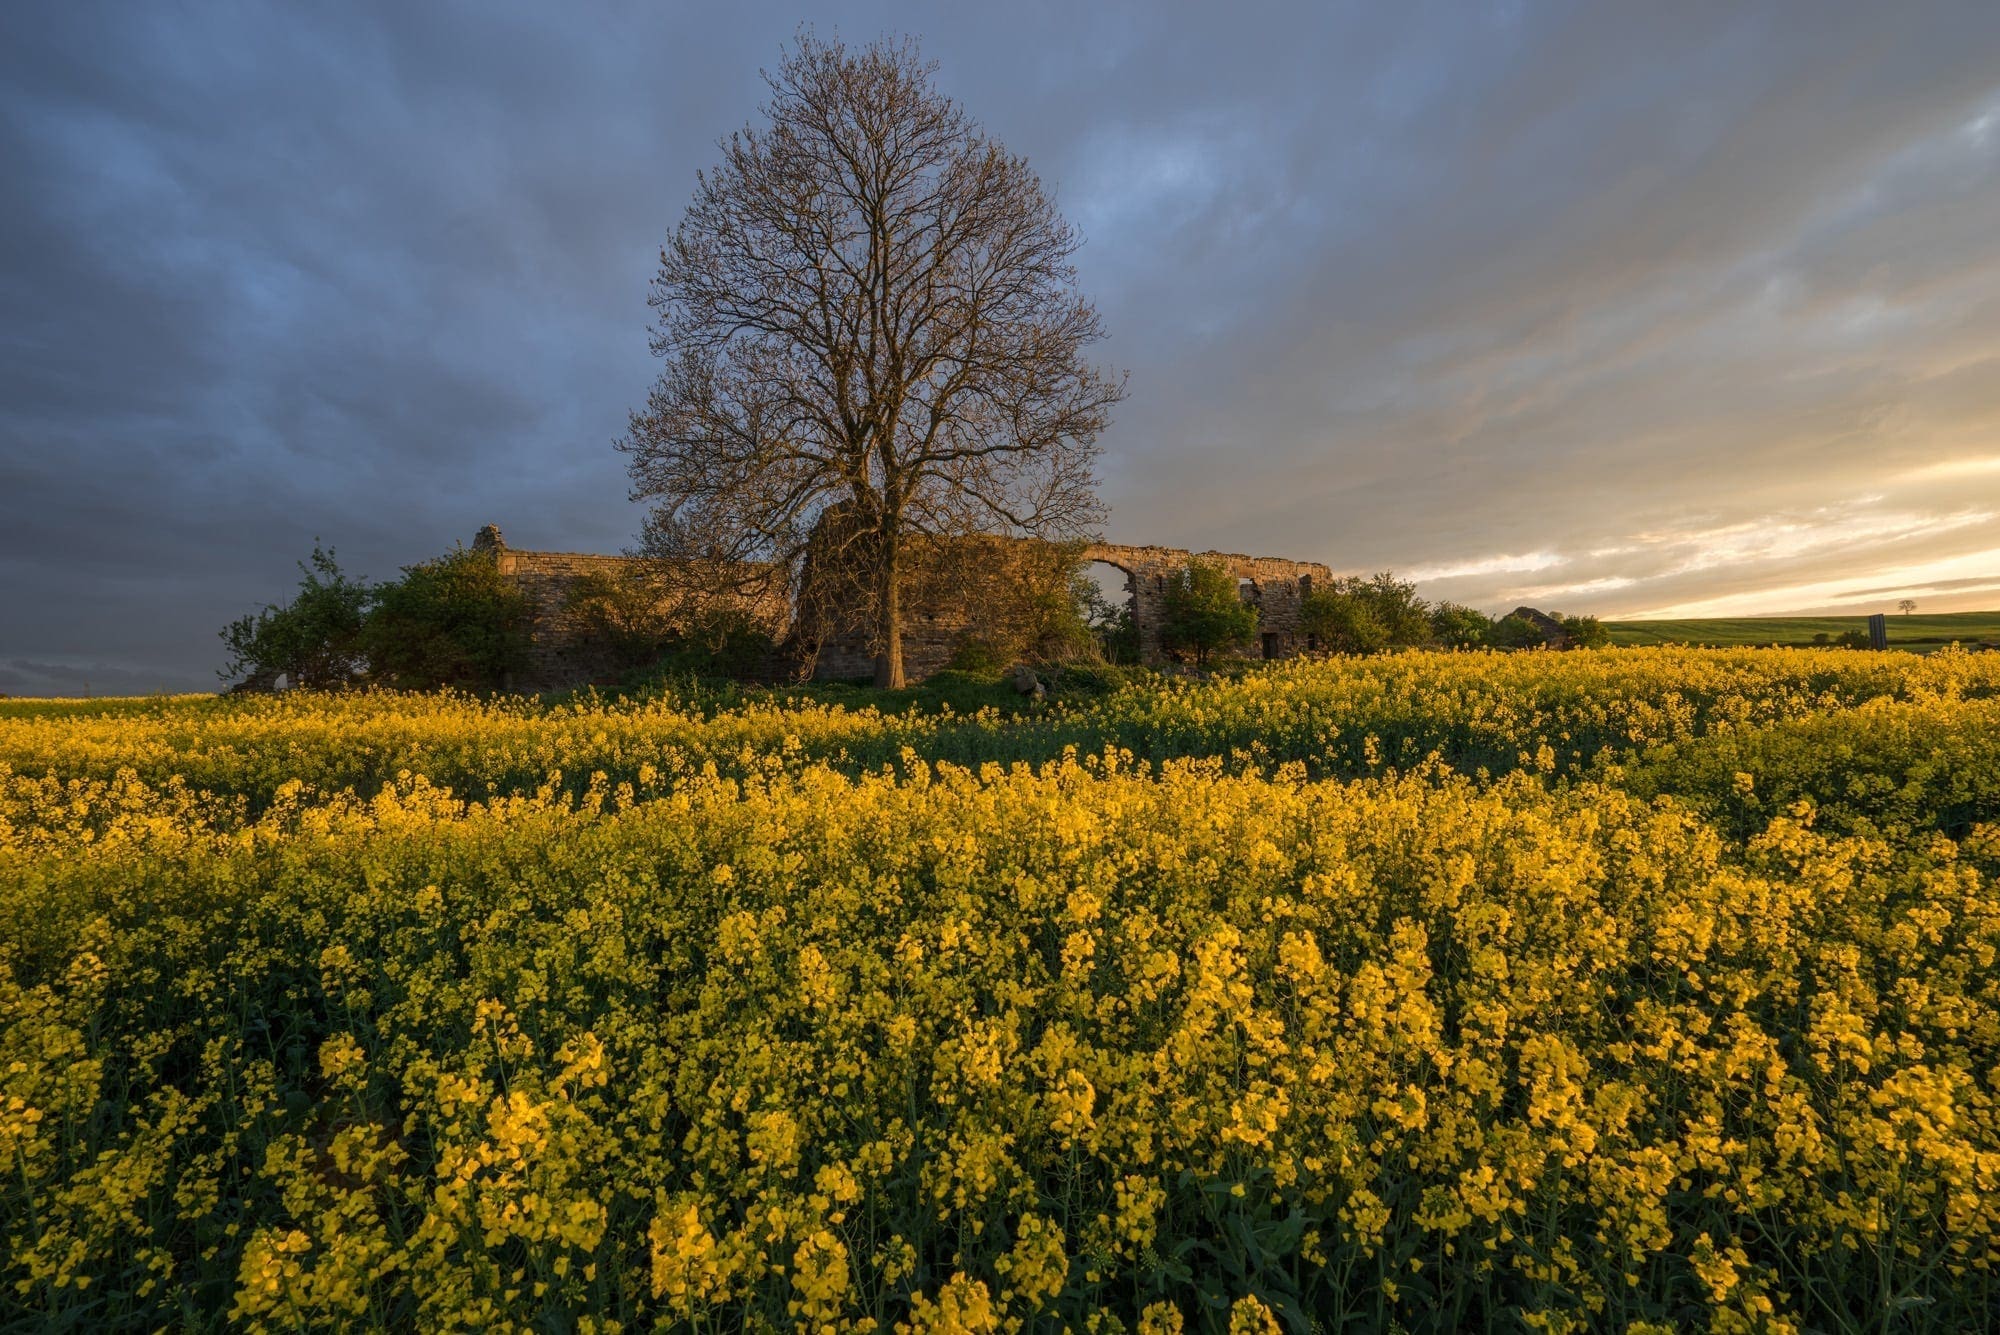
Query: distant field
x,y
1916,631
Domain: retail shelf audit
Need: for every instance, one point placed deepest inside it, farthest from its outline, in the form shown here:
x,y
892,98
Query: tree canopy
x,y
1205,610
870,308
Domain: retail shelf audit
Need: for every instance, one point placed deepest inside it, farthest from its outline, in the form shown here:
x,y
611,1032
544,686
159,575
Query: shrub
x,y
1362,616
314,640
1093,678
978,657
1456,626
454,621
1055,621
1342,623
722,645
1585,632
621,617
1515,631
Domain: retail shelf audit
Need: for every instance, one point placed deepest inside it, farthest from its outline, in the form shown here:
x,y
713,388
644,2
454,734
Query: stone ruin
x,y
829,638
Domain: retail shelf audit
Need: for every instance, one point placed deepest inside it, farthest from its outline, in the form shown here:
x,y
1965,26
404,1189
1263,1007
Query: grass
x,y
1917,631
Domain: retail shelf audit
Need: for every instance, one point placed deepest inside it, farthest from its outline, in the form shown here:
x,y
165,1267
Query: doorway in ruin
x,y
1111,610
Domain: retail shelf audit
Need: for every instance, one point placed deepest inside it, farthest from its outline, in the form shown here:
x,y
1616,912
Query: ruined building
x,y
826,632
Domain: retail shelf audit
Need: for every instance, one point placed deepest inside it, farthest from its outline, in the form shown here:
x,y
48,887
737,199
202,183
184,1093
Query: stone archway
x,y
1117,586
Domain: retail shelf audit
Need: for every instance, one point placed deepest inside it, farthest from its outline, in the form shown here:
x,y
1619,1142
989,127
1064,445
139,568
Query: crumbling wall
x,y
954,590
936,622
958,589
1277,586
562,655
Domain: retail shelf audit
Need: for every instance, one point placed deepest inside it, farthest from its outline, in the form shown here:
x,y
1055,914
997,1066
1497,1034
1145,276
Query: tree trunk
x,y
889,614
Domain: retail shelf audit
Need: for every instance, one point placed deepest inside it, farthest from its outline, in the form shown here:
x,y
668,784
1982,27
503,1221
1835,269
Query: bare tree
x,y
869,309
1907,606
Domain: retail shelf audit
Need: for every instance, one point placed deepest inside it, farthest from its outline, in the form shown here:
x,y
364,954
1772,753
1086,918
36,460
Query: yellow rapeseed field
x,y
1636,990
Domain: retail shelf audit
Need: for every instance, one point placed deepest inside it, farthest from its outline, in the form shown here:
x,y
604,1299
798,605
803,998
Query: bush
x,y
1093,678
1342,623
978,657
1363,616
1515,631
722,646
621,617
454,621
312,641
1406,617
1585,632
1456,626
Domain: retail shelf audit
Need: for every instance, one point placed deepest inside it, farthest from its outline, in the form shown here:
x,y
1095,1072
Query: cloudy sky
x,y
1637,309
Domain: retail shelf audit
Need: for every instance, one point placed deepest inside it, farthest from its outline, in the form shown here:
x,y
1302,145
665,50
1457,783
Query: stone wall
x,y
562,656
944,606
936,623
1277,586
954,590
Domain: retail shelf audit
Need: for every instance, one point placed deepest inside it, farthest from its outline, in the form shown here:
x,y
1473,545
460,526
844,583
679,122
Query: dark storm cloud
x,y
1616,307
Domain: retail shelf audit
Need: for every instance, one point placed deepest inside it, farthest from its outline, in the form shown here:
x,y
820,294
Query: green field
x,y
1917,631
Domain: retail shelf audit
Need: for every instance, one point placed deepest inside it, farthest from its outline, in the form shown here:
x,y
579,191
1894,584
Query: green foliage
x,y
1341,623
1109,621
978,657
1119,636
1515,631
1585,632
454,621
1085,678
1362,616
1456,626
1205,612
1404,616
622,617
638,628
314,640
722,646
1114,637
1055,625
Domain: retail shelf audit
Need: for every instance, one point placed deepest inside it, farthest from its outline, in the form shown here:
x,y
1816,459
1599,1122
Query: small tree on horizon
x,y
313,641
869,310
1585,632
1907,606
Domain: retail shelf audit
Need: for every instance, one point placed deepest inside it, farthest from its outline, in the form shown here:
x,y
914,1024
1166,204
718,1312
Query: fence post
x,y
1878,631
